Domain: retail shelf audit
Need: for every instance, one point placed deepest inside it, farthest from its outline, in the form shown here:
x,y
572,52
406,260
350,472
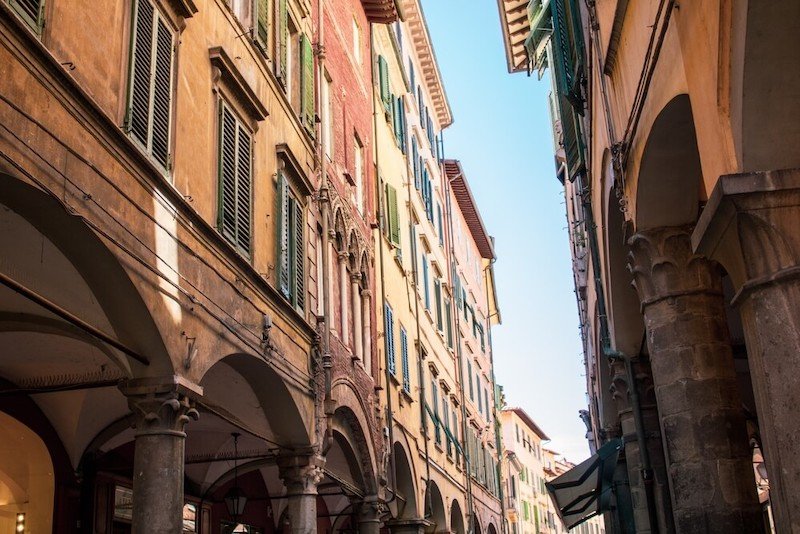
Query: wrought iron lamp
x,y
235,498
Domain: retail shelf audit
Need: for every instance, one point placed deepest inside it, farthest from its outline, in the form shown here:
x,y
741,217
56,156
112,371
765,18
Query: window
x,y
327,114
242,10
283,65
469,376
383,82
435,398
416,162
486,403
404,358
411,76
262,24
437,300
291,243
150,88
31,11
478,387
388,327
235,180
425,290
446,416
441,225
189,518
448,322
358,173
307,84
356,42
392,216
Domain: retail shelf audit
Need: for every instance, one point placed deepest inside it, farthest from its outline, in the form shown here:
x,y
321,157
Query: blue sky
x,y
502,136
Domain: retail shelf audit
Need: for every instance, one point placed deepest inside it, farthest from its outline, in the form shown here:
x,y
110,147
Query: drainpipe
x,y
381,229
329,404
459,354
612,355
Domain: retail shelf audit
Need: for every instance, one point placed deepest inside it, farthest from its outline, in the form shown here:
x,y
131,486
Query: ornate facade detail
x,y
161,413
663,265
300,473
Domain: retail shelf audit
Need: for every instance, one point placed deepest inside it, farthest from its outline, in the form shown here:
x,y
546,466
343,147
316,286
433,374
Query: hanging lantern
x,y
235,498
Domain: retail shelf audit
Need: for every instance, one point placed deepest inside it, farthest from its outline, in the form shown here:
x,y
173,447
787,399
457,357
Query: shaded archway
x,y
670,175
765,83
456,518
435,511
491,529
404,505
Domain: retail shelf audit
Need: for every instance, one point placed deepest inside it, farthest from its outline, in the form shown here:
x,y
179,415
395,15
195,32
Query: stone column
x,y
355,285
161,410
366,316
300,474
751,225
369,515
702,423
343,290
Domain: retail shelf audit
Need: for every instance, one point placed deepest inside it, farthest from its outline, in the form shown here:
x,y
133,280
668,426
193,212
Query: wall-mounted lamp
x,y
20,522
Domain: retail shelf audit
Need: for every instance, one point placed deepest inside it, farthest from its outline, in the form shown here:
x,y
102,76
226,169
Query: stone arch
x,y
364,269
765,83
456,518
79,273
354,250
476,524
491,529
355,436
340,229
670,174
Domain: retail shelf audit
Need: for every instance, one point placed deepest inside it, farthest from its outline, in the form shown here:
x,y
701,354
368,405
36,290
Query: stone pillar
x,y
751,225
355,285
369,515
343,290
300,474
161,410
702,423
366,316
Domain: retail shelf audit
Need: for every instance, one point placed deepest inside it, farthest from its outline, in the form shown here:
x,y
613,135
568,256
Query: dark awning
x,y
585,490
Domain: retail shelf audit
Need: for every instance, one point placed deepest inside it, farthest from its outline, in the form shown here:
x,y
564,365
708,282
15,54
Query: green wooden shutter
x,y
243,189
283,35
448,317
31,11
138,123
383,80
393,215
227,174
307,84
150,100
441,226
404,359
298,238
425,288
262,24
284,275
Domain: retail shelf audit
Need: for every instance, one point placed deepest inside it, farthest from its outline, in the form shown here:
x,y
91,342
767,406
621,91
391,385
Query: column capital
x,y
300,472
366,293
161,406
342,255
663,265
355,277
749,225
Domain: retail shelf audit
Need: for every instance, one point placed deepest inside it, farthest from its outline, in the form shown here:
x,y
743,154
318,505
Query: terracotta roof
x,y
522,414
468,207
515,26
380,11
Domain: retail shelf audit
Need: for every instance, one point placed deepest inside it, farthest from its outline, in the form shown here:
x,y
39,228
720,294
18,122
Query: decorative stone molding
x,y
663,266
160,406
300,473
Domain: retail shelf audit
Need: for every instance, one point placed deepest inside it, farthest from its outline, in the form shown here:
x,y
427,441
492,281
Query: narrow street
x,y
399,266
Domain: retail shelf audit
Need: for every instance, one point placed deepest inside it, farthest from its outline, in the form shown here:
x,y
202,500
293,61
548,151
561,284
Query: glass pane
x,y
123,503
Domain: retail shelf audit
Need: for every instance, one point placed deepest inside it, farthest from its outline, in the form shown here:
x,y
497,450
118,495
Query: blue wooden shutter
x,y
388,318
415,161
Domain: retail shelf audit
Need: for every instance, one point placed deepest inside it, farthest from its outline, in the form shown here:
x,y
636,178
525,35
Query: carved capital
x,y
619,386
342,255
300,473
355,277
161,413
663,266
